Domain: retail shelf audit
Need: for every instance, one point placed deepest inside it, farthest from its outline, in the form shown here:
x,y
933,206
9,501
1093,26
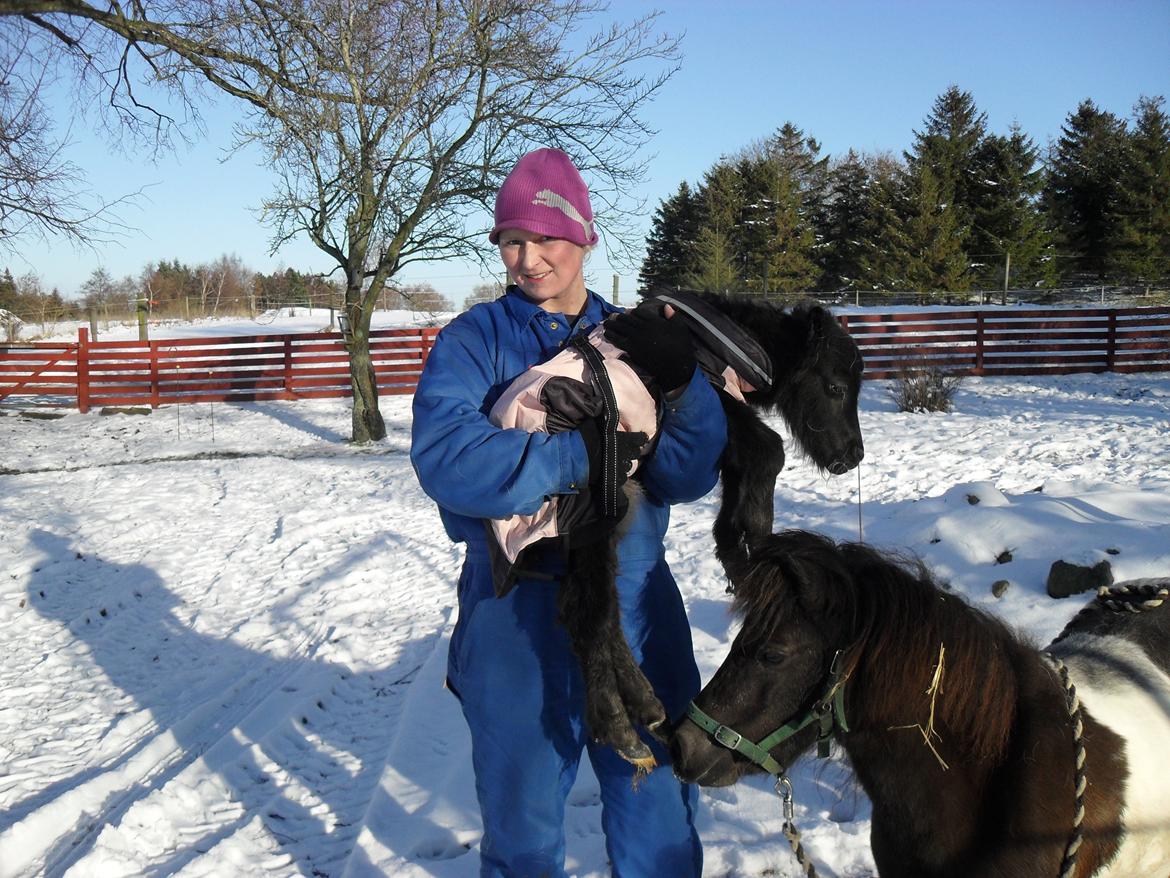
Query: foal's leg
x,y
588,609
751,461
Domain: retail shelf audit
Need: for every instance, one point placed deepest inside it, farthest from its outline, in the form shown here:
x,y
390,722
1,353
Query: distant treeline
x,y
171,289
962,209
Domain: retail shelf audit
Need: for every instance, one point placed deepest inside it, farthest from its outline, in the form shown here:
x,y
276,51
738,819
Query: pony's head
x,y
779,664
815,368
818,394
818,615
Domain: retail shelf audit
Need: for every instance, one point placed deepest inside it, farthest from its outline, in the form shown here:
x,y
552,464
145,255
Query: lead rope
x,y
1120,599
1073,704
784,790
860,537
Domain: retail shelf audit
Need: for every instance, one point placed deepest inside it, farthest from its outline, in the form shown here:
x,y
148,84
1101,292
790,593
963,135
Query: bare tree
x,y
42,193
488,292
391,124
405,171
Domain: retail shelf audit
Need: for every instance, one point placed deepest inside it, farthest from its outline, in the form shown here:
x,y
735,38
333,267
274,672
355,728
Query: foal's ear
x,y
820,321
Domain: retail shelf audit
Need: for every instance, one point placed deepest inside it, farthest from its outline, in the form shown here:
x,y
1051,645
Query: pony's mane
x,y
893,617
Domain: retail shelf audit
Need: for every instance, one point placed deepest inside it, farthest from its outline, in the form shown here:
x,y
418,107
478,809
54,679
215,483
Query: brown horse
x,y
958,729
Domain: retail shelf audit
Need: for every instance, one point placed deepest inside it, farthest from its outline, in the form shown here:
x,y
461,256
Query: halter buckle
x,y
729,738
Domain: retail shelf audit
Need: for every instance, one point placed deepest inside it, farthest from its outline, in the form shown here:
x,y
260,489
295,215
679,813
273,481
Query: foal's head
x,y
806,602
818,394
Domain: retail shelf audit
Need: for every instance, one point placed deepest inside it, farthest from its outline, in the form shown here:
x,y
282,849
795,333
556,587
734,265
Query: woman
x,y
510,663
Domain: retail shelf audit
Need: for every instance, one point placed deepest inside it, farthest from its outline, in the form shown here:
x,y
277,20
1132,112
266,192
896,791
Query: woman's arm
x,y
464,462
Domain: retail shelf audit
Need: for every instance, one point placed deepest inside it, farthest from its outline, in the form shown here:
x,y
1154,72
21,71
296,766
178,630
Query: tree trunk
x,y
368,425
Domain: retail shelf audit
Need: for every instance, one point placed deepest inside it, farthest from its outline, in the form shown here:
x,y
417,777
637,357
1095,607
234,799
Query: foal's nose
x,y
854,454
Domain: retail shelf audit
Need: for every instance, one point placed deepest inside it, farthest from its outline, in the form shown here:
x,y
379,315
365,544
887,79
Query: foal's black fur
x,y
1004,805
816,381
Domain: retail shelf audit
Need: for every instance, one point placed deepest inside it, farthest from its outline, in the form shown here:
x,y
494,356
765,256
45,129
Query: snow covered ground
x,y
224,629
276,321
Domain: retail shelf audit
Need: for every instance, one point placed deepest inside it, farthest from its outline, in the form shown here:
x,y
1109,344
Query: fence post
x,y
978,342
288,367
154,388
1111,343
82,369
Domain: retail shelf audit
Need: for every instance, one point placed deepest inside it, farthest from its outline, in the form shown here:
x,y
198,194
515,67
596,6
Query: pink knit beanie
x,y
545,195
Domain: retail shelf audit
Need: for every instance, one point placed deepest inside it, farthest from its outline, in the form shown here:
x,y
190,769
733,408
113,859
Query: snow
x,y
224,628
275,322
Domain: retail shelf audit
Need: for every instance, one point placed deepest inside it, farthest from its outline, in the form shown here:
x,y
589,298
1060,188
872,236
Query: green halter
x,y
828,712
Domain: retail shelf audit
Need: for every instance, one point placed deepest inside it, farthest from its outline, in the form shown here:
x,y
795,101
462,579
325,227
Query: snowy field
x,y
224,630
276,321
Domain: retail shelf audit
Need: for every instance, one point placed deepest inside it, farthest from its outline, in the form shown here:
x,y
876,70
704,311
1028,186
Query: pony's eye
x,y
837,389
772,655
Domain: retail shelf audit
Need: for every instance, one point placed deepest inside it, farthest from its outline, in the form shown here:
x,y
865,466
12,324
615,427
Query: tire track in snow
x,y
291,772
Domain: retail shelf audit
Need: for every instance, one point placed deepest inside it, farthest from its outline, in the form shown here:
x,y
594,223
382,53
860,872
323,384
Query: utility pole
x,y
615,289
1007,268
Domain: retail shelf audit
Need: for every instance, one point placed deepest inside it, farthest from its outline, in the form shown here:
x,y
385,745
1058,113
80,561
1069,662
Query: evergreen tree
x,y
716,264
1143,236
915,242
885,244
670,247
1008,223
715,269
8,294
785,259
783,186
949,146
1084,191
847,219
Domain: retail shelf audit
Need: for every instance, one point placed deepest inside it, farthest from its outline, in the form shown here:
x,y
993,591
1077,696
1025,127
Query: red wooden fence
x,y
1013,341
224,369
1006,341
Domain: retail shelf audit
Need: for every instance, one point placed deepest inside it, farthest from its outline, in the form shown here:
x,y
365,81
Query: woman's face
x,y
548,270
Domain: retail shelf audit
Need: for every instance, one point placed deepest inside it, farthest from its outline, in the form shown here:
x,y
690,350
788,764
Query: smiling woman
x,y
511,664
548,270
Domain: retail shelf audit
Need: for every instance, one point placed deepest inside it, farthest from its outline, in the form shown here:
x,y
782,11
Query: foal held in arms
x,y
960,731
799,363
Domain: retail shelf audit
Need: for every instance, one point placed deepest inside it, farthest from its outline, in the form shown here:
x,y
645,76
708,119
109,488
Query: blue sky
x,y
850,73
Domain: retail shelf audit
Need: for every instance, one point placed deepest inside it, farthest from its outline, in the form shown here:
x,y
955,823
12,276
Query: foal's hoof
x,y
639,756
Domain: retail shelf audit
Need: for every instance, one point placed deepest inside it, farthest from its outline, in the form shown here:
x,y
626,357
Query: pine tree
x,y
1143,236
8,294
847,219
886,244
1084,191
1008,224
936,260
783,184
670,247
716,264
949,145
915,242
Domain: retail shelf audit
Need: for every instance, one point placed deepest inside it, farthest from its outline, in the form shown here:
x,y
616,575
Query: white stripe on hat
x,y
548,198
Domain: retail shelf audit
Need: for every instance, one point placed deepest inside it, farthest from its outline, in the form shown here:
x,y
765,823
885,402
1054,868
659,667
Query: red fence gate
x,y
1006,341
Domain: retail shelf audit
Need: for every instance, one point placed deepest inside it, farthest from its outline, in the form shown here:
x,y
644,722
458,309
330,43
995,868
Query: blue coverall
x,y
510,662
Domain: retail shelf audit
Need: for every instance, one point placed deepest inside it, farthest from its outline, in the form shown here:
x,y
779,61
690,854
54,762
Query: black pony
x,y
815,379
963,735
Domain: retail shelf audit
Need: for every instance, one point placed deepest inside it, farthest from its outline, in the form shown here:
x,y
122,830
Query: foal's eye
x,y
772,655
837,389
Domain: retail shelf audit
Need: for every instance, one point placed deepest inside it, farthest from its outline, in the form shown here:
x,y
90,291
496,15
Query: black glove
x,y
583,515
660,346
629,445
